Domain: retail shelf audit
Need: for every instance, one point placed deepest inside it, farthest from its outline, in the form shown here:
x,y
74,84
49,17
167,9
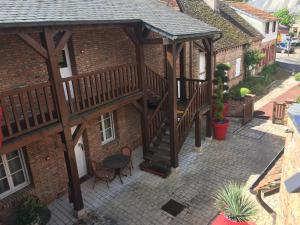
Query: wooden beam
x,y
182,62
63,111
179,49
153,41
198,130
78,132
63,41
210,69
206,44
191,57
171,74
201,48
34,44
142,79
131,35
138,106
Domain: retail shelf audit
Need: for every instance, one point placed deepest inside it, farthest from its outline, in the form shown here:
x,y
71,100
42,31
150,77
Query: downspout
x,y
266,206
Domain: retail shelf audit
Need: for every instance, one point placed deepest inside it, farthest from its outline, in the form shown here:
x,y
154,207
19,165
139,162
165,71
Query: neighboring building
x,y
282,175
75,84
265,23
272,6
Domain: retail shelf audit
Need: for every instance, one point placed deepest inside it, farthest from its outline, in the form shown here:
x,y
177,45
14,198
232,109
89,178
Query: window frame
x,y
267,27
274,26
240,63
112,127
12,187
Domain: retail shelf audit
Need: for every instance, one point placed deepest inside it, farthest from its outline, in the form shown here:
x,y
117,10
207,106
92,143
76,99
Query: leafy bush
x,y
252,58
235,203
258,84
28,212
298,99
221,76
297,76
244,91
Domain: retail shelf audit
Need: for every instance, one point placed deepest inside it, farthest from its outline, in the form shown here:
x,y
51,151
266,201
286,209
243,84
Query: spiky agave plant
x,y
235,203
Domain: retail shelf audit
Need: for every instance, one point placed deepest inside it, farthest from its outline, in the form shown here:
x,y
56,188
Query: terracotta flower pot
x,y
220,129
223,220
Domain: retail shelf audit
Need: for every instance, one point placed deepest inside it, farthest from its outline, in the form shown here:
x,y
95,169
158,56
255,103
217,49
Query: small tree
x,y
285,18
252,58
221,77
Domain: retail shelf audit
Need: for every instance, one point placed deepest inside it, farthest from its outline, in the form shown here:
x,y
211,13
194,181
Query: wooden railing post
x,y
171,75
198,130
59,95
182,75
143,84
208,43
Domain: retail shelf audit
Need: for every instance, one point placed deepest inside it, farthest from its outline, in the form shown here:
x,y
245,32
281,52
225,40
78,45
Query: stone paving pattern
x,y
242,157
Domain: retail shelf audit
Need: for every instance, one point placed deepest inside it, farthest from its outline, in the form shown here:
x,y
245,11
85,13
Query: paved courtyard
x,y
242,157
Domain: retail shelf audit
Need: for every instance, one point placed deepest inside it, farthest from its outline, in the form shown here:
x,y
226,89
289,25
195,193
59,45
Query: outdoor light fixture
x,y
292,184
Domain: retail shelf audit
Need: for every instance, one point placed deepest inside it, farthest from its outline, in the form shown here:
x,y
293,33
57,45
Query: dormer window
x,y
267,27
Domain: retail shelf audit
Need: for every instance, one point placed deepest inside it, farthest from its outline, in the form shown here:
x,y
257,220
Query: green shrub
x,y
28,212
244,91
298,99
297,76
235,203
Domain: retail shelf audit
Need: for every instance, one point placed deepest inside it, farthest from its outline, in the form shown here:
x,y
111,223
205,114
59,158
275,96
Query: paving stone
x,y
140,198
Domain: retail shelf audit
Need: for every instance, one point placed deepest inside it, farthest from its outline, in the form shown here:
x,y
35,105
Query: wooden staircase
x,y
195,100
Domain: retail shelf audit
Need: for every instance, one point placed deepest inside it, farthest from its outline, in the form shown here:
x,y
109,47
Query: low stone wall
x,y
289,213
236,107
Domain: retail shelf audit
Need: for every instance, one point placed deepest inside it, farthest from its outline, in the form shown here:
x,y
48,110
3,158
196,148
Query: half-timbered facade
x,y
77,83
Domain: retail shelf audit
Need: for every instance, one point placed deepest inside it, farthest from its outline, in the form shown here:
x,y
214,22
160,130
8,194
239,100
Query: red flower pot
x,y
223,220
220,129
225,110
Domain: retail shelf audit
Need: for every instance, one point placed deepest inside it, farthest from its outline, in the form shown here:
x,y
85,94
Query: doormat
x,y
173,207
156,168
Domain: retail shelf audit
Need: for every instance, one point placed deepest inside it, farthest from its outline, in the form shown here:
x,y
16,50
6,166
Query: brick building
x,y
75,88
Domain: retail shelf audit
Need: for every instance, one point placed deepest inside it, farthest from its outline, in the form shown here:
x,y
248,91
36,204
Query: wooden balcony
x,y
33,107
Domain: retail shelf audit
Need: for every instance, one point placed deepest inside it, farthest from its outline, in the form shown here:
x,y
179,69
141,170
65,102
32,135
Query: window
x,y
274,27
107,128
267,27
13,173
238,67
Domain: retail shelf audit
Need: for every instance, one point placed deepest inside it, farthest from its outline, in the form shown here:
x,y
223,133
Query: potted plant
x,y
32,212
221,72
235,206
220,123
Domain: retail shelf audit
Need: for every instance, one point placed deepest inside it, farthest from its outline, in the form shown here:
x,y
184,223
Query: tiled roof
x,y
231,15
232,36
155,15
270,178
253,11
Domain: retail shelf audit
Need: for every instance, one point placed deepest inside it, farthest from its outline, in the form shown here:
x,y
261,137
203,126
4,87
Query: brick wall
x,y
128,132
46,163
20,65
289,213
230,56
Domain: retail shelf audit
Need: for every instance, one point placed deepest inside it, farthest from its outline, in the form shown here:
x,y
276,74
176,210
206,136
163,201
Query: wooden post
x,y
55,77
171,75
198,130
142,76
182,74
210,74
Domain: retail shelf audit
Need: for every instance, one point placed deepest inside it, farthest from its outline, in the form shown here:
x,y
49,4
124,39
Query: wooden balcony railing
x,y
198,100
155,82
87,91
158,117
190,86
26,109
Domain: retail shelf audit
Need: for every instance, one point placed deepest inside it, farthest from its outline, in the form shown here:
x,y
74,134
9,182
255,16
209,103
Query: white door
x,y
80,156
66,70
202,66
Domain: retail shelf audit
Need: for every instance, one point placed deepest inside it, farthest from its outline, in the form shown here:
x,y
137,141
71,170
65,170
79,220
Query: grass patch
x,y
257,85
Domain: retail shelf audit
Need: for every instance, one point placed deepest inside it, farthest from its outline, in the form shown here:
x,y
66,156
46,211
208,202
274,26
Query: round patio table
x,y
117,163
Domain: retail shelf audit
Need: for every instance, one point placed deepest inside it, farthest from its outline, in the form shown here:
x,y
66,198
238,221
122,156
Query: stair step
x,y
164,141
157,158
